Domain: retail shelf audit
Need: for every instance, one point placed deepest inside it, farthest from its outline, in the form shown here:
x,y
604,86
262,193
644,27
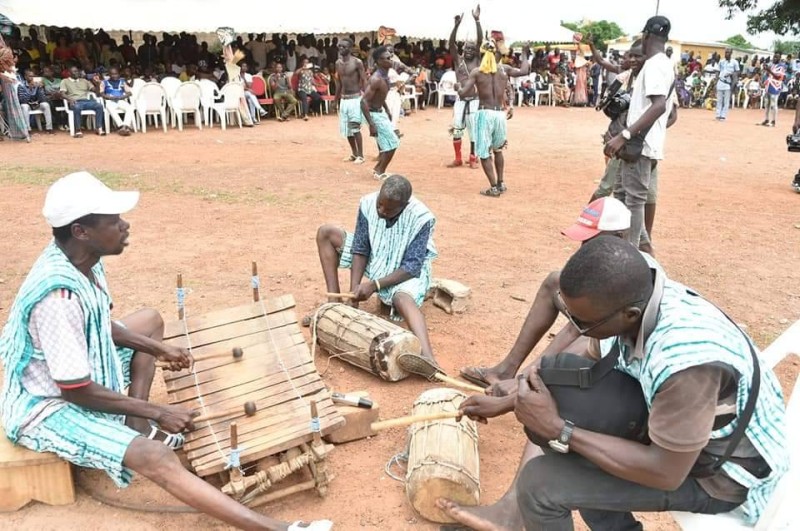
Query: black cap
x,y
658,26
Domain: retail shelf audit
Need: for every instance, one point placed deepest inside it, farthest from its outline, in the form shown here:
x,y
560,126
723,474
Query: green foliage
x,y
600,31
739,42
786,47
783,17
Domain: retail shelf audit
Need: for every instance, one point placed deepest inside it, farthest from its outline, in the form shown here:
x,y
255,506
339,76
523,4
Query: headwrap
x,y
489,61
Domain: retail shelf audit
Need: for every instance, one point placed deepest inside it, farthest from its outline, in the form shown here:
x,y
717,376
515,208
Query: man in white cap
x,y
602,216
67,363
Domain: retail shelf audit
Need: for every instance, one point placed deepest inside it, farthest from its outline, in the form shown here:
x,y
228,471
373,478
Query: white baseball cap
x,y
602,215
80,194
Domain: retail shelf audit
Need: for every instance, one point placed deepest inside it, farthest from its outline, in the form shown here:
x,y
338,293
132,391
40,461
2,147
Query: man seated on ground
x,y
695,369
32,97
117,96
604,216
281,87
393,247
67,363
76,90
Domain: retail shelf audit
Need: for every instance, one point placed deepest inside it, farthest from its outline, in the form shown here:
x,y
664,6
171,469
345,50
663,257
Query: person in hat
x,y
647,119
491,81
68,363
602,216
695,371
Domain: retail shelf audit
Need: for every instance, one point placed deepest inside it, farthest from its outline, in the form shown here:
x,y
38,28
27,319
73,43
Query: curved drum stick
x,y
411,419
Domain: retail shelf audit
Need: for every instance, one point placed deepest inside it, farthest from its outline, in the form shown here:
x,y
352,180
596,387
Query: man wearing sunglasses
x,y
603,216
696,372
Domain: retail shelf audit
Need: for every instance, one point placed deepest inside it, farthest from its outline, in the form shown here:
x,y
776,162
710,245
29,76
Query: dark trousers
x,y
551,486
310,99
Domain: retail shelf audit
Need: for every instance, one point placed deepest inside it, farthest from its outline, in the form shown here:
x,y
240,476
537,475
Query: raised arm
x,y
476,14
452,41
606,64
524,68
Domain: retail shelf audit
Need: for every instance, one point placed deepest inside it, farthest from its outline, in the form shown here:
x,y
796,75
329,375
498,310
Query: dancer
x,y
232,60
491,80
465,107
373,105
352,82
17,127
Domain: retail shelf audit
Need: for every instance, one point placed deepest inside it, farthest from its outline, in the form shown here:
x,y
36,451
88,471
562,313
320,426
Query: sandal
x,y
173,441
475,375
502,187
380,176
351,158
78,135
491,192
100,132
358,160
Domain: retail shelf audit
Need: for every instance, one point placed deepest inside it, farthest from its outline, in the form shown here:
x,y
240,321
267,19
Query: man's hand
x,y
458,18
614,145
364,291
526,50
502,388
476,13
178,358
480,408
373,131
176,419
535,407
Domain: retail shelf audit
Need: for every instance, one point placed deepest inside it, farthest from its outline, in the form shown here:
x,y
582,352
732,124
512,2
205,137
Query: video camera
x,y
793,142
614,103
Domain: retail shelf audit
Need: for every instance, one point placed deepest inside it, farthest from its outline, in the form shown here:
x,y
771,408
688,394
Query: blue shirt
x,y
28,95
414,255
114,88
727,69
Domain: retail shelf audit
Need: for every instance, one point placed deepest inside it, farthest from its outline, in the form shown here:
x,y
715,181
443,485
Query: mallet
x,y
411,419
249,409
416,364
236,352
341,295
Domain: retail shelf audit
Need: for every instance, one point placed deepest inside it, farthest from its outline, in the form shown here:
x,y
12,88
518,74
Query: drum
x,y
442,456
364,340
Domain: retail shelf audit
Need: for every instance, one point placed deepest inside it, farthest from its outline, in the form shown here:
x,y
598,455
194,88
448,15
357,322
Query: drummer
x,y
389,253
67,364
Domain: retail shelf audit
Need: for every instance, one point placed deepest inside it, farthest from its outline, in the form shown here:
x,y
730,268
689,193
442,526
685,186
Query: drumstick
x,y
341,295
237,354
458,383
249,409
411,419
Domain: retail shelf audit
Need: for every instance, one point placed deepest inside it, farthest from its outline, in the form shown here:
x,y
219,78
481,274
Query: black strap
x,y
752,397
584,377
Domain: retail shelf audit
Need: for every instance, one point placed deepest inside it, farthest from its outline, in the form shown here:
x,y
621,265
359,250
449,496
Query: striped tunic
x,y
690,331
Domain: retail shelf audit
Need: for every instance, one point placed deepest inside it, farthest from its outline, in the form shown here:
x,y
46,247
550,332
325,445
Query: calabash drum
x,y
443,456
364,340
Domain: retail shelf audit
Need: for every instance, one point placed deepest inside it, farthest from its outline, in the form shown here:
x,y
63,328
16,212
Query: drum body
x,y
443,459
364,340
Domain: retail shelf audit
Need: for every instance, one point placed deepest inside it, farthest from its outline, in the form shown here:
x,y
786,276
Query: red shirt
x,y
553,62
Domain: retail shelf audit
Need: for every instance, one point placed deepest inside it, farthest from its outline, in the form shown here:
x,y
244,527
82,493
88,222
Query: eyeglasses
x,y
583,327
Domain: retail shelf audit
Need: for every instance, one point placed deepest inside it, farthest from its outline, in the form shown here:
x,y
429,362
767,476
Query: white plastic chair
x,y
446,87
518,81
151,101
410,93
209,92
187,100
170,85
231,93
547,93
87,112
779,513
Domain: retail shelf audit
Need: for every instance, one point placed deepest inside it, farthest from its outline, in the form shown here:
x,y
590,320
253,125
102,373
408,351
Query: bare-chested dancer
x,y
491,79
466,107
376,112
352,80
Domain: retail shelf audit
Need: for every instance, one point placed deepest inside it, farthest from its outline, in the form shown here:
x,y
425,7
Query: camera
x,y
793,142
614,103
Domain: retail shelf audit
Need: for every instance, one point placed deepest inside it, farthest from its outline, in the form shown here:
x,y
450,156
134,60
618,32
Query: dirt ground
x,y
212,201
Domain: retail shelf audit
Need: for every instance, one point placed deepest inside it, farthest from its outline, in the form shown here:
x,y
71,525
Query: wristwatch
x,y
626,134
561,445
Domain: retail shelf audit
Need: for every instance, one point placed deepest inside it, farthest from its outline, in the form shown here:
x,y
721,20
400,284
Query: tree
x,y
783,17
738,41
601,31
786,47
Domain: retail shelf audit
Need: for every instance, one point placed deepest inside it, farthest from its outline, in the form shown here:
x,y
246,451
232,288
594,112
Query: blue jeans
x,y
88,105
723,102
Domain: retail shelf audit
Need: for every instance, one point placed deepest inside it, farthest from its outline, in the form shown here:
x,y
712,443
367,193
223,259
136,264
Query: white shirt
x,y
726,71
655,79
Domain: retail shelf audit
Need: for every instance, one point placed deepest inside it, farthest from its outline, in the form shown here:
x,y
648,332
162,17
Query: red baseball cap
x,y
602,215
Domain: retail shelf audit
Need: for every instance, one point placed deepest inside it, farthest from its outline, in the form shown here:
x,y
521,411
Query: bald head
x,y
396,189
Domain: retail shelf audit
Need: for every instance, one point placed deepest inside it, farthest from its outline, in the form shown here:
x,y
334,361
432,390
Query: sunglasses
x,y
584,327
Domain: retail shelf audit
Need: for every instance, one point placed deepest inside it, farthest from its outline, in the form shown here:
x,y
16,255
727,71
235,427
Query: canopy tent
x,y
413,18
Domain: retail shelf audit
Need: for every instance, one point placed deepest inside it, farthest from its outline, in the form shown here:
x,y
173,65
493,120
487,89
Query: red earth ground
x,y
728,224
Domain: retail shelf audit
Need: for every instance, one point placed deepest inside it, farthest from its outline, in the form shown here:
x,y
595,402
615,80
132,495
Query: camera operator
x,y
641,144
